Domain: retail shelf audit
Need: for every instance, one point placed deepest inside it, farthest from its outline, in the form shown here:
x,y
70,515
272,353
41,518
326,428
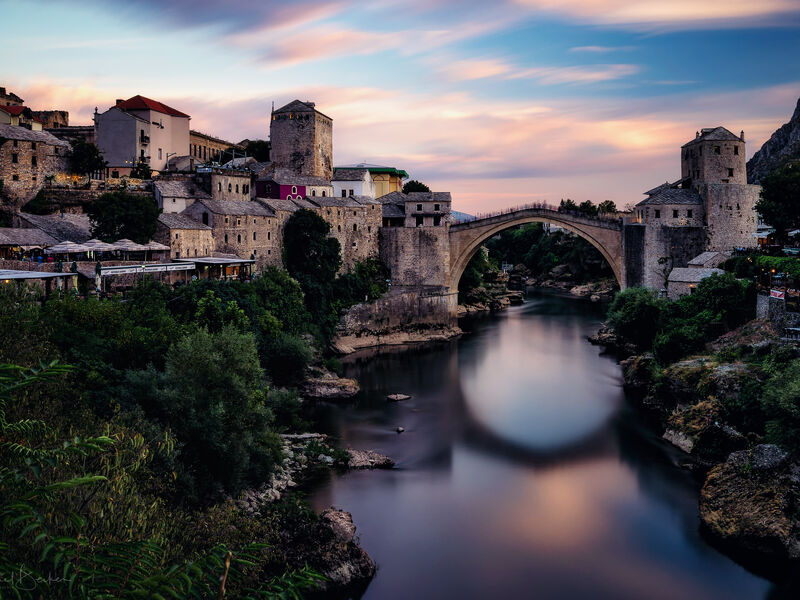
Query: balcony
x,y
144,139
144,160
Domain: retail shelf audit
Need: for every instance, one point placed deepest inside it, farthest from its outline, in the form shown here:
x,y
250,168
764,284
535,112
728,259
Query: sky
x,y
501,102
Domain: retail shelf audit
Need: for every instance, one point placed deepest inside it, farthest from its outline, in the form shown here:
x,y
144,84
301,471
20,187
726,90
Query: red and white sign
x,y
776,294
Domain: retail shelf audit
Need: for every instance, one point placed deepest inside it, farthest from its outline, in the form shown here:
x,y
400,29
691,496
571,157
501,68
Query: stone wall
x,y
731,215
185,243
24,165
227,185
205,147
357,229
52,118
418,256
701,162
633,236
303,142
666,248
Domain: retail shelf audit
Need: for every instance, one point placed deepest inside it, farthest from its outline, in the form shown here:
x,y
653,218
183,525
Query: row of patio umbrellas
x,y
96,245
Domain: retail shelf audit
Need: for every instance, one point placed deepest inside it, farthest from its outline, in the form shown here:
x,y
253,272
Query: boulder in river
x,y
398,397
367,459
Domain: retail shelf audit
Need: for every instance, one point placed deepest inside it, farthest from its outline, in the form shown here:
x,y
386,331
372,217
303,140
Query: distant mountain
x,y
460,216
784,145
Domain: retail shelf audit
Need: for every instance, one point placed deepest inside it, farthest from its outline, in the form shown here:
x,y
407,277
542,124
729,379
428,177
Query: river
x,y
522,472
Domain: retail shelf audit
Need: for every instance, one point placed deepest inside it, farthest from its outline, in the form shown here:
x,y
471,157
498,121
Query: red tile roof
x,y
13,110
142,103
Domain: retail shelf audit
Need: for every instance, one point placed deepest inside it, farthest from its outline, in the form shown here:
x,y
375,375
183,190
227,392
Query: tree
x,y
607,207
634,315
567,206
415,186
587,208
312,258
117,215
258,149
141,171
85,157
778,205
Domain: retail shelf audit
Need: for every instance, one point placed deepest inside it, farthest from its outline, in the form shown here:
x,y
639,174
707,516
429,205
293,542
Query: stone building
x,y
9,98
207,148
52,119
355,222
353,182
285,184
185,237
140,130
243,228
27,159
301,140
70,133
226,184
416,209
711,208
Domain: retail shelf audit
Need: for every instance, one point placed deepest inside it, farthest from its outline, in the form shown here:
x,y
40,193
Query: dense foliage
x,y
141,170
118,215
539,250
750,267
415,186
778,204
85,158
674,329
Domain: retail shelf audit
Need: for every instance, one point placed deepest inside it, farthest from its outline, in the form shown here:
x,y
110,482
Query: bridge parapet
x,y
544,210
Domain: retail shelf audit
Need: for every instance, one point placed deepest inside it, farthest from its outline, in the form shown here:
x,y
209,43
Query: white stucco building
x,y
353,182
140,130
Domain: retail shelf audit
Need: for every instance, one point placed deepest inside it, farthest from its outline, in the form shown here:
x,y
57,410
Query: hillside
x,y
783,145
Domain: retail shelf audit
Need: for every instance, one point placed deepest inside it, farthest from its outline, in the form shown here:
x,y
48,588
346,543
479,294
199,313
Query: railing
x,y
603,220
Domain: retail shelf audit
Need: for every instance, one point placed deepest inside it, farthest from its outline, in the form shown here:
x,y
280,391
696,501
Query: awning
x,y
68,248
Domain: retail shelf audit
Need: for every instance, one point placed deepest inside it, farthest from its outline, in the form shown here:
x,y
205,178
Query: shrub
x,y
286,358
634,314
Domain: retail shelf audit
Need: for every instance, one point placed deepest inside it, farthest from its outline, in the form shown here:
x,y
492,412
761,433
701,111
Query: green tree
x,y
85,157
258,149
312,257
607,207
118,215
635,314
415,186
567,205
141,171
778,204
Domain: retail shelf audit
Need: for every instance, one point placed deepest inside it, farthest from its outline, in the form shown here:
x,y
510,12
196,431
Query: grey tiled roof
x,y
25,237
236,207
179,221
393,198
349,174
180,189
289,177
672,196
335,201
63,227
12,132
691,274
278,204
393,210
714,134
295,106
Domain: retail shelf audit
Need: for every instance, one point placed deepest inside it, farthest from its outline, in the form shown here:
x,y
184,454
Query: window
x,y
355,227
344,193
419,221
246,188
351,193
354,245
730,172
115,174
238,221
230,188
254,236
226,220
689,213
173,200
436,207
176,236
205,218
195,251
313,192
237,188
674,214
288,196
419,207
354,213
226,238
219,186
15,158
437,220
369,228
33,145
269,235
239,238
658,214
717,150
254,221
177,255
33,161
15,143
159,154
294,189
339,228
15,177
323,193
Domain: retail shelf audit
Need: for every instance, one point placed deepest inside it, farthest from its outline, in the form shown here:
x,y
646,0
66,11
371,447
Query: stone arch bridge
x,y
604,234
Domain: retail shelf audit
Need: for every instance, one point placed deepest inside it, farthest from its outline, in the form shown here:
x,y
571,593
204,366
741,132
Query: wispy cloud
x,y
601,49
481,68
649,14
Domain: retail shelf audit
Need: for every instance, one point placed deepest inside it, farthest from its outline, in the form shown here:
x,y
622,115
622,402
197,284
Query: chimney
x,y
119,101
309,103
696,134
741,135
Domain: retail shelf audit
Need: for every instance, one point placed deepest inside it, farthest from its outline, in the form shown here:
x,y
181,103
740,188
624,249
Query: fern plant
x,y
49,548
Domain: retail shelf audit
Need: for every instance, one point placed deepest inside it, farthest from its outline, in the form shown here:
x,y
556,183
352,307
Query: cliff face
x,y
783,145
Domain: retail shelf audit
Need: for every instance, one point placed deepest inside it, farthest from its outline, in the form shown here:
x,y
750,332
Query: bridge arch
x,y
466,238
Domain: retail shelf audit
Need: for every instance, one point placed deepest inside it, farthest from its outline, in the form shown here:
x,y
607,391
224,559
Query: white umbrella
x,y
67,248
153,245
128,245
99,246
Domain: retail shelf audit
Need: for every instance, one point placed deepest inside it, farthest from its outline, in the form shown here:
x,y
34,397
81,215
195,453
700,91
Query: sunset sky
x,y
500,102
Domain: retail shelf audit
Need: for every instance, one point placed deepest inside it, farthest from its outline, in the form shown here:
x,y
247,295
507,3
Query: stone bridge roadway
x,y
604,234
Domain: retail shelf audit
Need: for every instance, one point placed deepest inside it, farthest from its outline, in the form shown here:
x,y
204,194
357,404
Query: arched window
x,y
294,189
338,227
226,238
313,192
237,188
254,236
239,238
230,187
288,196
323,193
269,235
355,227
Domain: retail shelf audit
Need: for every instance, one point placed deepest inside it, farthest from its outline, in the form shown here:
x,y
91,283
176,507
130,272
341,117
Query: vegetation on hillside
x,y
85,158
122,215
778,205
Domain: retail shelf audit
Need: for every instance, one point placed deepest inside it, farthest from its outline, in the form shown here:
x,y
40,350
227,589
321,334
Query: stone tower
x,y
302,140
715,156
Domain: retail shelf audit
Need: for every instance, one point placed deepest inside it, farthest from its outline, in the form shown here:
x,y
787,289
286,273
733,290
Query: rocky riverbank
x,y
750,498
492,296
561,279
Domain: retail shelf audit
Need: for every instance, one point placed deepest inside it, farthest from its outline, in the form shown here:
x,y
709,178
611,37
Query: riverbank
x,y
709,407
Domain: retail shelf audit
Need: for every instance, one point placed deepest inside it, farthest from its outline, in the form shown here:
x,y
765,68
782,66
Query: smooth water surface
x,y
522,473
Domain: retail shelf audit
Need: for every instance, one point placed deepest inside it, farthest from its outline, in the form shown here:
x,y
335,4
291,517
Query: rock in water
x,y
397,397
399,430
340,559
367,459
750,500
